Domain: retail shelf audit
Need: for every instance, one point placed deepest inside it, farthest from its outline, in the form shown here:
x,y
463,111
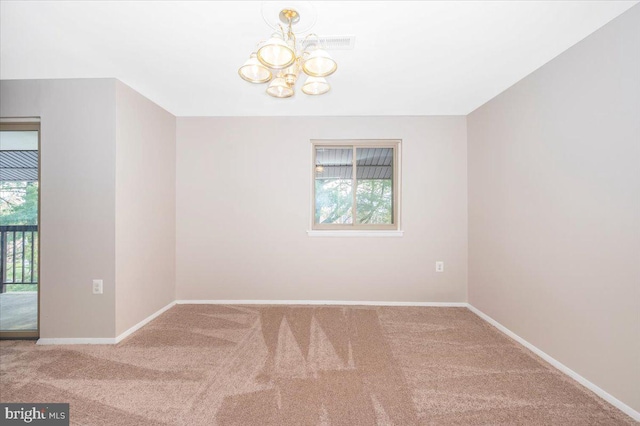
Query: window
x,y
355,185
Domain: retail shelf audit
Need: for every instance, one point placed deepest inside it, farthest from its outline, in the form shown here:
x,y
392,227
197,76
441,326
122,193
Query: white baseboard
x,y
321,302
144,322
76,341
103,340
560,366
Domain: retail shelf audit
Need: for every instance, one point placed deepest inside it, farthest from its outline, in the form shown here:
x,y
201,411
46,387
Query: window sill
x,y
340,233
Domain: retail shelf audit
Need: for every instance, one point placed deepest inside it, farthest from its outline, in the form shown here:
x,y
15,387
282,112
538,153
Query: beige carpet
x,y
249,365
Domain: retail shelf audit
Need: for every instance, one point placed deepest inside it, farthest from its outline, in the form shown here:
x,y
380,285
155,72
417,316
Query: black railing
x,y
18,255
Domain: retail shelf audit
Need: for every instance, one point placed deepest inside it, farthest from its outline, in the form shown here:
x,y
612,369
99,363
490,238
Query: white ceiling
x,y
410,58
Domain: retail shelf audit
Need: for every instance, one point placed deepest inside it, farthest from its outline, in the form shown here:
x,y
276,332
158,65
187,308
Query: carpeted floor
x,y
275,365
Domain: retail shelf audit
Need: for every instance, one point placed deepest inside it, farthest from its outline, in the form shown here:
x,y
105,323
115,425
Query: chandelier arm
x,y
307,37
314,35
317,38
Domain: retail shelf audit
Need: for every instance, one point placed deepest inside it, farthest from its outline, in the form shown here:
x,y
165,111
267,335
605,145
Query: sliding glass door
x,y
19,229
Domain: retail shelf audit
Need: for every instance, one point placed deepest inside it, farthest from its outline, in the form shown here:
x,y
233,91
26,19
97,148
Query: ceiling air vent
x,y
341,42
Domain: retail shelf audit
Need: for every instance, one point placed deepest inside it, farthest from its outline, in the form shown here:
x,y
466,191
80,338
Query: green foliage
x,y
21,287
19,206
334,201
25,251
374,201
19,203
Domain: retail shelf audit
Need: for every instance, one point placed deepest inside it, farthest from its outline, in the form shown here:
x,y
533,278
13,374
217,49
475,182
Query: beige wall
x,y
77,199
145,207
243,209
107,203
554,208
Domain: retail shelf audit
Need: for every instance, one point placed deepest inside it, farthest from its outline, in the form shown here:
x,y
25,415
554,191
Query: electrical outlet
x,y
97,286
439,266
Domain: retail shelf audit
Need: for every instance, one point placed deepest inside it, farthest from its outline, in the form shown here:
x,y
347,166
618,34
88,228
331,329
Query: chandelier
x,y
280,60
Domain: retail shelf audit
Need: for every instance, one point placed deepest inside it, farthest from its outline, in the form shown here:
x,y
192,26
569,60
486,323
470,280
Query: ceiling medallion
x,y
279,60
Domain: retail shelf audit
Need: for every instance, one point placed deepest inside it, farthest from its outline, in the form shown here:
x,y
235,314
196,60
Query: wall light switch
x,y
439,266
97,286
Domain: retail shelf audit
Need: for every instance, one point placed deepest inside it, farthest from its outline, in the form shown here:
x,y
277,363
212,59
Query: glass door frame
x,y
27,125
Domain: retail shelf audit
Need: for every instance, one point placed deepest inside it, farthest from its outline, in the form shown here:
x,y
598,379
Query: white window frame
x,y
355,229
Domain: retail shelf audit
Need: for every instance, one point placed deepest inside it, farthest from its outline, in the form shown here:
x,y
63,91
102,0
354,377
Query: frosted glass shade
x,y
319,63
253,71
315,86
278,88
276,54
